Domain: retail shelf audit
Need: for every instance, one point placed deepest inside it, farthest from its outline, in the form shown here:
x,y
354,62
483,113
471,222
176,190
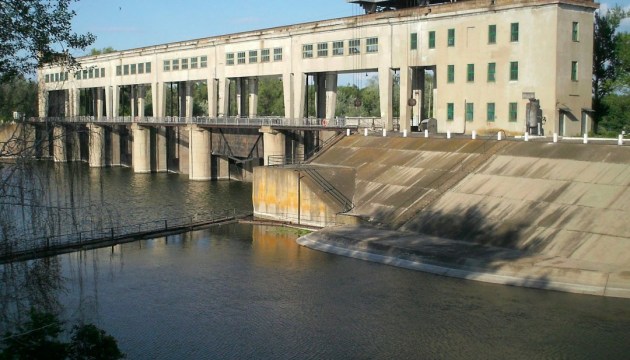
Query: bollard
x,y
384,132
426,133
404,133
347,132
365,132
526,136
586,138
448,134
499,136
474,134
620,141
555,137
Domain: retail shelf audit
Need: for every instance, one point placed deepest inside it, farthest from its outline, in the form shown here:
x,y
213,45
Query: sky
x,y
128,24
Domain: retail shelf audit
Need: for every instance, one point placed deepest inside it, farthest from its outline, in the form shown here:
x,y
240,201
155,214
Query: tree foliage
x,y
34,32
105,50
17,94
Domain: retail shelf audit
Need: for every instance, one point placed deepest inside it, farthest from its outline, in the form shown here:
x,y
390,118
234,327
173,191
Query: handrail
x,y
329,188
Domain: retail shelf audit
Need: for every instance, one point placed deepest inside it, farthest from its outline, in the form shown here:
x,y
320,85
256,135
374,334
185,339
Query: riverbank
x,y
472,261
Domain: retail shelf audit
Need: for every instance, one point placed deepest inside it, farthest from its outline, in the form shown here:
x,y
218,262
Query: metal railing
x,y
26,247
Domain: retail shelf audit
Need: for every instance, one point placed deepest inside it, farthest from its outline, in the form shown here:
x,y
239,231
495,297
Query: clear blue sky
x,y
127,24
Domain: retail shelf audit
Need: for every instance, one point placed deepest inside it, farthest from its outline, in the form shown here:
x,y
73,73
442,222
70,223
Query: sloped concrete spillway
x,y
542,215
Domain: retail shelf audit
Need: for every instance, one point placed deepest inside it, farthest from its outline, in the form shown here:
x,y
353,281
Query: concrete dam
x,y
536,214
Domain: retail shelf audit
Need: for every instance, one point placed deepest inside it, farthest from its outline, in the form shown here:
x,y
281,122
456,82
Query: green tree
x,y
622,82
605,58
34,32
270,97
92,343
105,50
17,94
617,116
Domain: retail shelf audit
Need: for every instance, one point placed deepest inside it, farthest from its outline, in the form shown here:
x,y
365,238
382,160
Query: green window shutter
x,y
450,111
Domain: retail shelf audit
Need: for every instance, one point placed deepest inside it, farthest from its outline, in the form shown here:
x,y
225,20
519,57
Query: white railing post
x,y
555,137
499,136
448,134
426,133
620,141
526,137
585,138
474,134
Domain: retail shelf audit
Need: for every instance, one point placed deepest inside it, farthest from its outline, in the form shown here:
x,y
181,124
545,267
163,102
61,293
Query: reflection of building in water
x,y
272,244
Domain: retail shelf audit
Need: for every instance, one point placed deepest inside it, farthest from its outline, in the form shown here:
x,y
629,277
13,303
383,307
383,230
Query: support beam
x,y
287,89
100,103
188,98
96,145
253,97
141,156
331,95
386,83
115,101
141,93
212,97
200,156
224,97
273,143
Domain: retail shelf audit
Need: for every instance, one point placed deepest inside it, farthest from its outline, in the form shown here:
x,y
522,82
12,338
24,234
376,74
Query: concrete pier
x,y
96,145
200,157
141,149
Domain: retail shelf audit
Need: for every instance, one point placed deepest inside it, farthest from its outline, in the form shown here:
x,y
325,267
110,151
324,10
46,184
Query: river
x,y
248,291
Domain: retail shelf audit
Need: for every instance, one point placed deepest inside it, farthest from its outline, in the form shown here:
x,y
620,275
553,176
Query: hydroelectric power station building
x,y
489,58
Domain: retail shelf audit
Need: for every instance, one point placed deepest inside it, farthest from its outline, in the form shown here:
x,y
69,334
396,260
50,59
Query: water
x,y
244,291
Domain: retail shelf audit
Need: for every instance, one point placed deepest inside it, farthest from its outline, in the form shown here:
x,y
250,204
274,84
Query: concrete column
x,y
405,94
287,88
115,101
212,98
320,95
189,100
134,101
200,156
75,99
253,97
99,103
141,157
385,89
141,94
273,143
108,102
331,95
96,145
115,157
241,97
42,102
73,139
155,99
59,144
67,103
224,97
161,149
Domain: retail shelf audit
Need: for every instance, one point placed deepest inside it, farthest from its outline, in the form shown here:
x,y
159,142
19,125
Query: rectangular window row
x,y
185,63
133,69
491,73
251,56
492,36
57,77
338,48
490,111
91,73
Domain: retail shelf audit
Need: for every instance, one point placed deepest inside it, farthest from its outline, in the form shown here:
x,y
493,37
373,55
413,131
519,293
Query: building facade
x,y
488,59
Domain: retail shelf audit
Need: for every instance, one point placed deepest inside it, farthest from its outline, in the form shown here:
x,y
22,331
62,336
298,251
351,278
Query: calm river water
x,y
249,292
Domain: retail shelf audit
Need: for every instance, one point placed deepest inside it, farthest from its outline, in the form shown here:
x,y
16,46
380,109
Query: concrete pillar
x,y
253,97
331,95
320,95
405,95
386,83
115,101
134,101
141,93
141,157
161,149
42,102
224,97
200,156
96,145
108,102
287,88
155,99
74,141
273,143
188,99
67,103
212,98
99,103
59,144
241,97
75,100
115,146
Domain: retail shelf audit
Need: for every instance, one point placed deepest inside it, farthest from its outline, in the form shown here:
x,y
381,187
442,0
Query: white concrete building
x,y
489,58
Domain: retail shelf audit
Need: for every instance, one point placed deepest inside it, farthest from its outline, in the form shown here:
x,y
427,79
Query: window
x,y
141,68
264,55
490,112
167,65
47,78
450,77
492,34
77,75
184,64
413,41
337,48
513,111
102,72
194,63
470,73
91,73
513,70
431,39
240,57
514,32
371,45
354,46
470,111
492,70
204,62
97,73
147,67
277,54
119,70
175,64
322,49
307,51
133,69
253,56
57,77
575,34
85,73
229,59
451,37
450,111
574,71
